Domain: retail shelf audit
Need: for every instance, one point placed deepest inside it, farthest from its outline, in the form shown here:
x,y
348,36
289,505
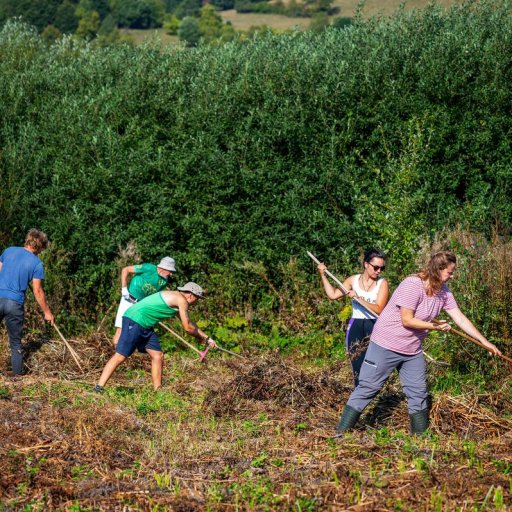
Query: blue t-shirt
x,y
19,267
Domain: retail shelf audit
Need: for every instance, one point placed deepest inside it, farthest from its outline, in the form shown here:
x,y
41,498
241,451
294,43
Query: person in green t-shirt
x,y
137,330
147,279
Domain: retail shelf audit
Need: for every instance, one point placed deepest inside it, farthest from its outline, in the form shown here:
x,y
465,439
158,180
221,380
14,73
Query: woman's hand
x,y
352,294
493,349
321,268
442,325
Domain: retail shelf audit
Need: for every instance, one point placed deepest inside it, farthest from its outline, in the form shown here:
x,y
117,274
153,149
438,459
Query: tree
x,y
171,24
40,13
223,5
319,21
188,8
210,23
88,25
108,25
228,32
50,34
138,13
189,31
342,22
66,19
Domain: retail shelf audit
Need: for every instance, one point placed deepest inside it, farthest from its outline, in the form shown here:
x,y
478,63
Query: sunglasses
x,y
377,268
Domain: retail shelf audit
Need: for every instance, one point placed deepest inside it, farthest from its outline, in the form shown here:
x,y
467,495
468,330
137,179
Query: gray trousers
x,y
13,313
377,367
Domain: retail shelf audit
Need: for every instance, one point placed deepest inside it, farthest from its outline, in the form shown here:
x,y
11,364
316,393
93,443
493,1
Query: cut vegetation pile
x,y
272,378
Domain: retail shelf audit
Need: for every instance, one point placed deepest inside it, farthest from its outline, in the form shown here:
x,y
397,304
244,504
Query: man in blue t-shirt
x,y
18,267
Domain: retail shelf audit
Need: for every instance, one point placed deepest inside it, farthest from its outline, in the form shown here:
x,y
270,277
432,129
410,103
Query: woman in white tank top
x,y
373,291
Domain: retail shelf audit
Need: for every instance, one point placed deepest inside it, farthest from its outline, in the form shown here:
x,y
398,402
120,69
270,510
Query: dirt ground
x,y
232,434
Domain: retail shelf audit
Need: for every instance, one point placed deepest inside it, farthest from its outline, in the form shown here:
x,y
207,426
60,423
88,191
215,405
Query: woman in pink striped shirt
x,y
396,340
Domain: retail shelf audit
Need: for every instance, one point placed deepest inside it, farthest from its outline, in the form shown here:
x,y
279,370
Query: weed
x,y
4,393
420,465
483,506
259,461
470,449
306,505
251,427
498,499
76,507
254,491
300,427
215,494
81,472
503,466
163,480
436,501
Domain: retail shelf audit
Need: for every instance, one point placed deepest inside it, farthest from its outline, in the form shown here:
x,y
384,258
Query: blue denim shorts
x,y
135,337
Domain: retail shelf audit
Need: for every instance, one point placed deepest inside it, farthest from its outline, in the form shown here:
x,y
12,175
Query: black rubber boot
x,y
419,422
348,419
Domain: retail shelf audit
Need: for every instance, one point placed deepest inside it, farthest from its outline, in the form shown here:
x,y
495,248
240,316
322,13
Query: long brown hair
x,y
432,271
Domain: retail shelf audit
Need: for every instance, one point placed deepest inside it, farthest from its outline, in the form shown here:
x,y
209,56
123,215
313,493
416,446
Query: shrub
x,y
378,135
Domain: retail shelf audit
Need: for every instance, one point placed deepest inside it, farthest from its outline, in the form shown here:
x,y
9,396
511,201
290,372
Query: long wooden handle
x,y
202,354
343,289
229,352
74,355
469,338
185,342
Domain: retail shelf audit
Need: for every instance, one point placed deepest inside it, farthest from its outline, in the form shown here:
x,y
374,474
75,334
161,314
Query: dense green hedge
x,y
378,134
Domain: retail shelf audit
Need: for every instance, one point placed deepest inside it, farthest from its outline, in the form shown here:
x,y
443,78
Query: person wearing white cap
x,y
138,333
147,279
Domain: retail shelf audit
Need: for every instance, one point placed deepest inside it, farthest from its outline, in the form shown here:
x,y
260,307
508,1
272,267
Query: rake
x,y
476,342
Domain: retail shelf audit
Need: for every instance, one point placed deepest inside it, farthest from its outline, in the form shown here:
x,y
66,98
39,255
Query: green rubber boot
x,y
419,421
348,419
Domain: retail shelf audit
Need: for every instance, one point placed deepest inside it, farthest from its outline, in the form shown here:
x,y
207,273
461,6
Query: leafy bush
x,y
377,135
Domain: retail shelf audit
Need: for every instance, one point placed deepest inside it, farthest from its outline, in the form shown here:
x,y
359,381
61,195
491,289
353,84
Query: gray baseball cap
x,y
167,263
192,288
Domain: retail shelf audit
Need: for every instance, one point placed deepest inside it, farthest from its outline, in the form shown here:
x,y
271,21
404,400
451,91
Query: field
x,y
233,434
139,36
244,21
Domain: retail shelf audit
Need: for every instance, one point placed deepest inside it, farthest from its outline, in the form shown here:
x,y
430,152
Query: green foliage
x,y
171,24
291,8
40,14
188,8
342,22
66,19
138,13
319,21
50,34
210,23
223,5
88,25
190,31
253,152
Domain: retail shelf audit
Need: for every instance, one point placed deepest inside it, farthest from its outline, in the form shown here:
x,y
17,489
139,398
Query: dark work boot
x,y
419,421
348,419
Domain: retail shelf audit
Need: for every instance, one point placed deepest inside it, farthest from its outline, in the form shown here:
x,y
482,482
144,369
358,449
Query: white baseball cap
x,y
192,288
167,263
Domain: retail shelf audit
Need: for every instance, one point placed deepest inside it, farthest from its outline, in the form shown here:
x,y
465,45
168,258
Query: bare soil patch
x,y
230,434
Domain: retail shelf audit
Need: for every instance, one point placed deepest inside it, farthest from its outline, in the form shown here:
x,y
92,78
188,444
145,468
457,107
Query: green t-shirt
x,y
146,281
151,310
